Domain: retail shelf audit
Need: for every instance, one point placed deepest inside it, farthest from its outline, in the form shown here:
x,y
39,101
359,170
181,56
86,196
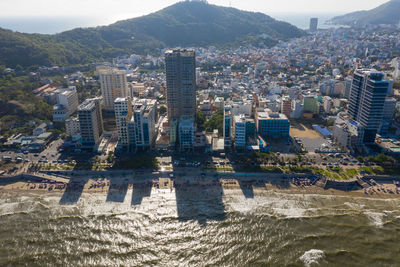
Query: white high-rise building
x,y
90,122
67,104
143,123
123,114
73,128
113,85
136,123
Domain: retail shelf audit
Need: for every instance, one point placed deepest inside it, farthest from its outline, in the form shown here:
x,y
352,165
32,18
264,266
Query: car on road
x,y
7,158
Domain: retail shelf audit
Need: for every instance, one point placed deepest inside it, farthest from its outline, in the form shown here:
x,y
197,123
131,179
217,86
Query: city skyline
x,y
200,134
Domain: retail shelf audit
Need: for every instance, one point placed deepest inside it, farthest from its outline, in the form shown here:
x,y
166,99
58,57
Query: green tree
x,y
200,120
162,110
215,122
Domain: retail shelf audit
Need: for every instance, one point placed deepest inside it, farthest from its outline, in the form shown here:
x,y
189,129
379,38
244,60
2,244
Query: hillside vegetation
x,y
18,103
388,13
182,24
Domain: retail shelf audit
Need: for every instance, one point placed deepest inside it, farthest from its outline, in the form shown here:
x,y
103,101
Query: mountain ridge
x,y
182,24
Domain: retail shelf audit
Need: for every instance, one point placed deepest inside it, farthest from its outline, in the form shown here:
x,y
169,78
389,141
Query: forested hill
x,y
182,24
388,13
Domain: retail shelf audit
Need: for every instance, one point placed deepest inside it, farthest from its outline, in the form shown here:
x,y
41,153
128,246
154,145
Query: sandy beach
x,y
120,185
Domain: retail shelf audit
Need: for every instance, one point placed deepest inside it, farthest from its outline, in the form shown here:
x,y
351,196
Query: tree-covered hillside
x,y
18,103
183,24
388,13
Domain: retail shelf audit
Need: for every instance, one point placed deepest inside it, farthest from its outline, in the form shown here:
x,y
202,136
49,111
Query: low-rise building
x,y
347,134
310,104
186,133
271,124
42,128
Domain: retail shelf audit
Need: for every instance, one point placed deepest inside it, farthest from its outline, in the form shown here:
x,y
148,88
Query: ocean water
x,y
51,25
193,226
302,20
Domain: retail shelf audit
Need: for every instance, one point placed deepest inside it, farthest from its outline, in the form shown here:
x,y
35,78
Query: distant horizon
x,y
57,24
123,9
17,15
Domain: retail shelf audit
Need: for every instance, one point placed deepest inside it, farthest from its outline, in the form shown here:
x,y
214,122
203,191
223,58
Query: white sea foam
x,y
8,208
355,206
376,218
312,257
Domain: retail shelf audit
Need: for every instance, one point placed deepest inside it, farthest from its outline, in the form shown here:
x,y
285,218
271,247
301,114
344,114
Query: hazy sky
x,y
111,10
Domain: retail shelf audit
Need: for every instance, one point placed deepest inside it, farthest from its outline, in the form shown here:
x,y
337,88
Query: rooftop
x,y
109,71
267,114
88,104
182,52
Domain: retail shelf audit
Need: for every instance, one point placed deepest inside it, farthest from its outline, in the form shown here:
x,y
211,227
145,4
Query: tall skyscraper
x,y
367,98
387,115
91,122
313,24
228,120
239,131
180,65
113,85
143,123
123,114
